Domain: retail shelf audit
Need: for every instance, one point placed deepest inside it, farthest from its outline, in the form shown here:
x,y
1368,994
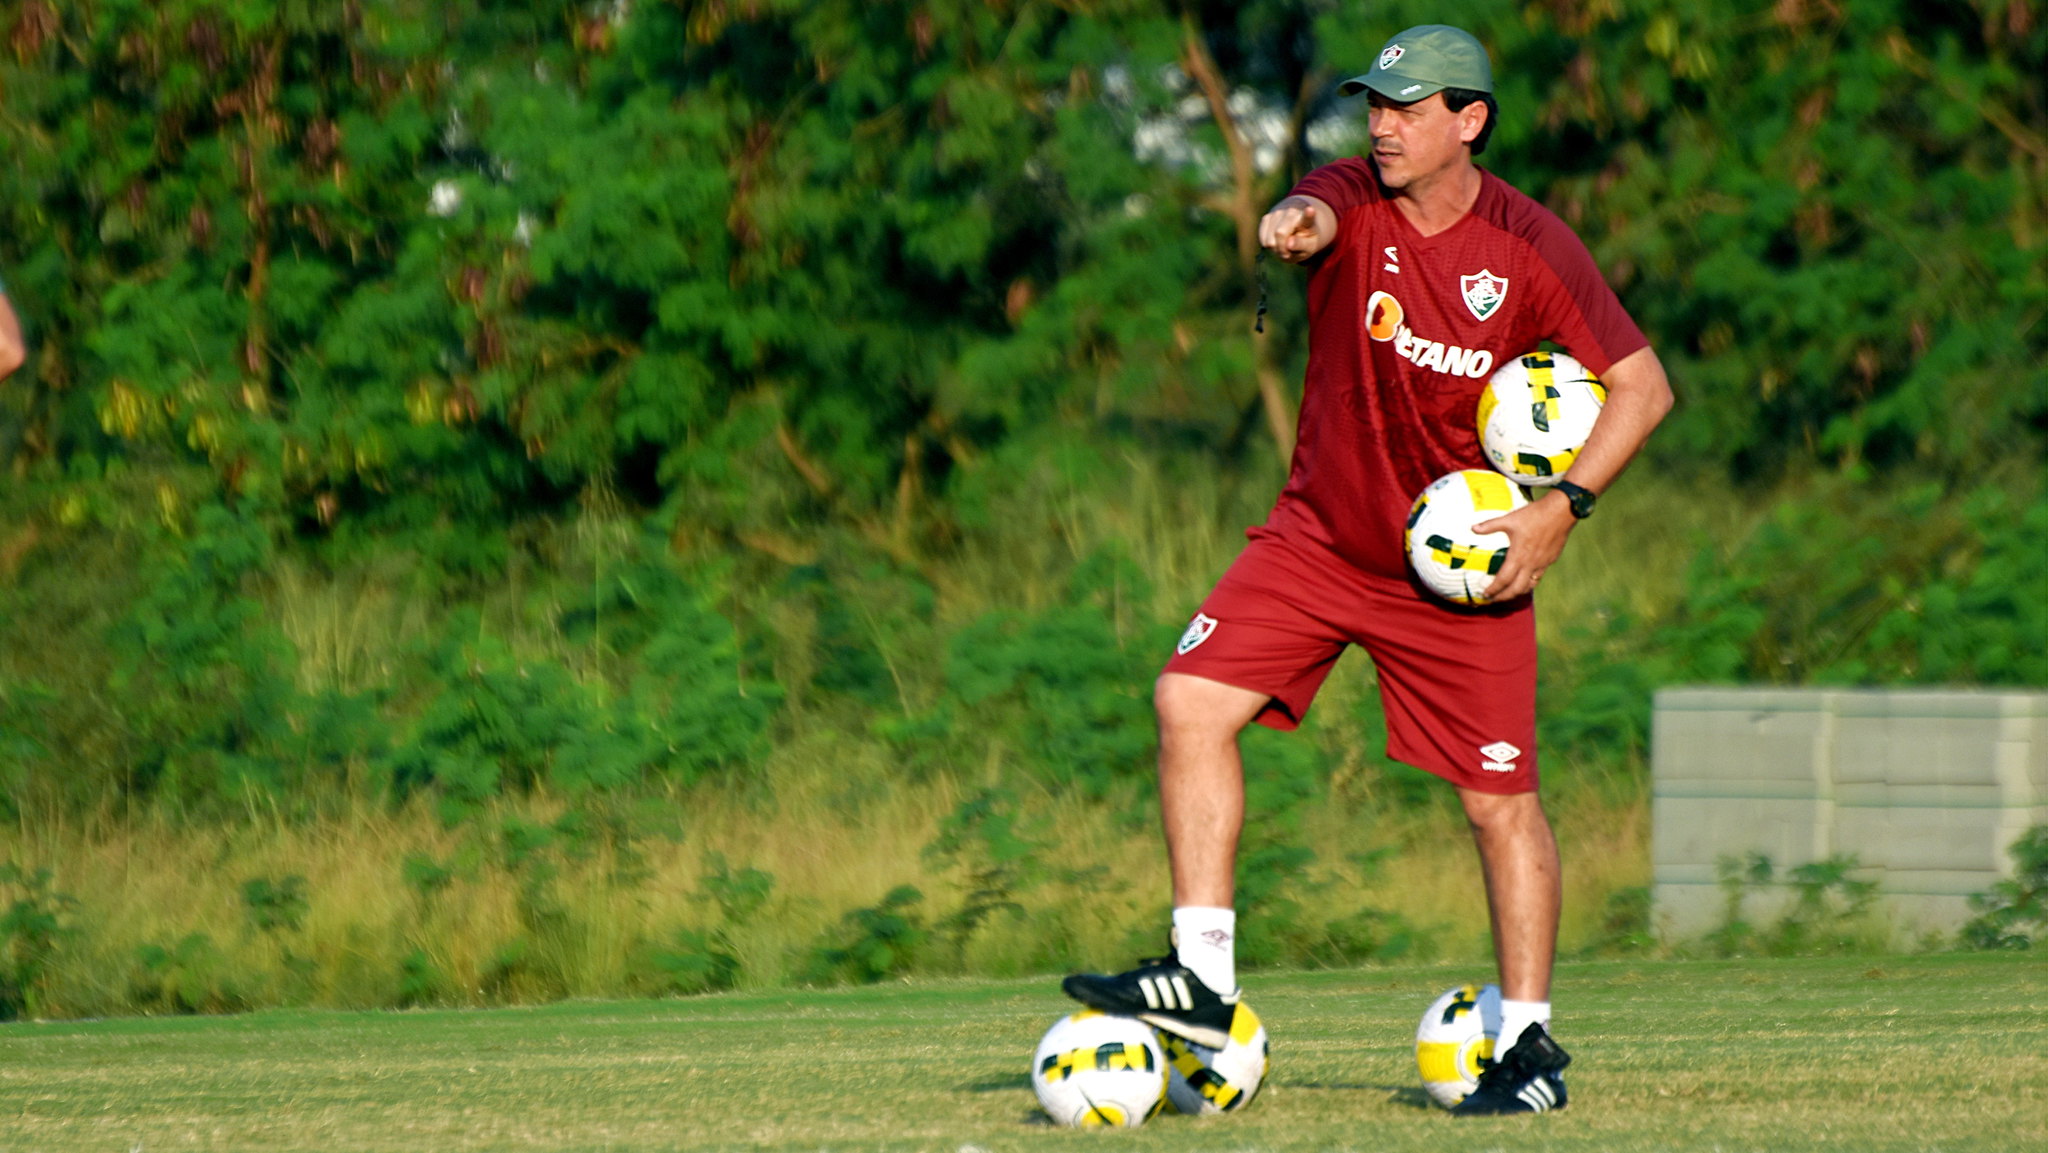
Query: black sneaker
x,y
1163,993
1524,1080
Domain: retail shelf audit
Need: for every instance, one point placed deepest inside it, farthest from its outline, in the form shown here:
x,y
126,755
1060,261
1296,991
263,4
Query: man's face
x,y
1416,141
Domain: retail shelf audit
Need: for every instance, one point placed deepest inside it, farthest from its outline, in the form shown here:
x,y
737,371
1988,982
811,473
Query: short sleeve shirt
x,y
1404,331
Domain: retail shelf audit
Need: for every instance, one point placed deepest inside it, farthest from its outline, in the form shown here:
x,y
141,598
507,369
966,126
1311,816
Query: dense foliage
x,y
454,398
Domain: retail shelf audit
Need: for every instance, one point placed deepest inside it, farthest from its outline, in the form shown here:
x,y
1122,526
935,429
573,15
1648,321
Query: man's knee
x,y
1503,814
1199,708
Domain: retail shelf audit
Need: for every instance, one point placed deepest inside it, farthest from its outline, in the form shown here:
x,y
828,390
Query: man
x,y
1425,272
12,351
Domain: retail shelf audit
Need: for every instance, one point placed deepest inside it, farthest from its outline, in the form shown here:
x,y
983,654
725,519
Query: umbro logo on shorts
x,y
1500,757
1166,992
1198,631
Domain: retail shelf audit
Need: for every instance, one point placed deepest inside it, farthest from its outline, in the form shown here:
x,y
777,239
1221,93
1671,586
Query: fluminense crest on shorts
x,y
1483,292
1198,631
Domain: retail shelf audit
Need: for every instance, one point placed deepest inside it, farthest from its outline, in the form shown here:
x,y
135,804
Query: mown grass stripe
x,y
1870,1054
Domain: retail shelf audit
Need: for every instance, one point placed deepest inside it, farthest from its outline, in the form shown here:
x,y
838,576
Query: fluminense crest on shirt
x,y
1483,292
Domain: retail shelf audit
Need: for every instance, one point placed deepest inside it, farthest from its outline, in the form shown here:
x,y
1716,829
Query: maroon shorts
x,y
1458,684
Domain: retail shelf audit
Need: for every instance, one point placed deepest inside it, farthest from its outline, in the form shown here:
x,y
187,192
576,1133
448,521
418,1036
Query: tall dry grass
x,y
832,816
835,836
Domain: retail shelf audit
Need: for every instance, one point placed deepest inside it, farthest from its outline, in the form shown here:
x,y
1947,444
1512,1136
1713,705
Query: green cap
x,y
1423,61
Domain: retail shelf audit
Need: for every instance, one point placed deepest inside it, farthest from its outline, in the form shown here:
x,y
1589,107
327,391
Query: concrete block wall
x,y
1926,787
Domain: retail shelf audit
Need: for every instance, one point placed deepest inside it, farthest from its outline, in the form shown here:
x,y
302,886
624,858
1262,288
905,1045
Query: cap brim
x,y
1395,87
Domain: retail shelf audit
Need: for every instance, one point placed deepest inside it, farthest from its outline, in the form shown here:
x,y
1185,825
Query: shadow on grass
x,y
1410,1095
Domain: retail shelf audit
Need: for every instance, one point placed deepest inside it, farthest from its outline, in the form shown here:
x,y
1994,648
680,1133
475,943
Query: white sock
x,y
1516,1016
1206,939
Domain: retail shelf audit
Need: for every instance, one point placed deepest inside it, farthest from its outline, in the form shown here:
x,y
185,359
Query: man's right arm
x,y
12,350
1297,228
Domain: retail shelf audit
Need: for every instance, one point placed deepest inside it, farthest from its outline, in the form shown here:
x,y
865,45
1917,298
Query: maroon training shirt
x,y
1404,331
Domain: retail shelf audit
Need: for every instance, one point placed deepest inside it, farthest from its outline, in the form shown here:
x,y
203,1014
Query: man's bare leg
x,y
1201,804
1201,783
1518,854
1524,890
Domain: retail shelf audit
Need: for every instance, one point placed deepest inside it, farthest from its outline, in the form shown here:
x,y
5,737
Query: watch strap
x,y
1580,497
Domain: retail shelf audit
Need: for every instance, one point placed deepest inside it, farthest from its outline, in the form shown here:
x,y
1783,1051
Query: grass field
x,y
1940,1052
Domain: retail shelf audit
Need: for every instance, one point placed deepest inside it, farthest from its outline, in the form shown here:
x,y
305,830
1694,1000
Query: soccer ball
x,y
1453,561
1535,415
1458,1029
1204,1080
1095,1070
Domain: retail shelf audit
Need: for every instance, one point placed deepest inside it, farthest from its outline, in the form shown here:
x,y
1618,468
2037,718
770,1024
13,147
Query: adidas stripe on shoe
x,y
1162,993
1169,993
1525,1079
1539,1096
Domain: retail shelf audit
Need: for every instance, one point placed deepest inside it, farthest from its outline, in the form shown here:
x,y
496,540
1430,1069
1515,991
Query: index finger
x,y
1272,228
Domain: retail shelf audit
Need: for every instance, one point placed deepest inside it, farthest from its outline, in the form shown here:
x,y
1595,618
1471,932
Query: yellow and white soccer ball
x,y
1204,1080
1535,415
1095,1070
1458,1030
1453,561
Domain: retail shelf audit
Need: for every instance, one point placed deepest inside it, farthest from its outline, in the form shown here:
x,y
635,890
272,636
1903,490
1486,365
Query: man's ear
x,y
1471,119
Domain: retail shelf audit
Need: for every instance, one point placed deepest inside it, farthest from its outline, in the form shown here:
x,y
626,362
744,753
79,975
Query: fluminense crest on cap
x,y
1422,61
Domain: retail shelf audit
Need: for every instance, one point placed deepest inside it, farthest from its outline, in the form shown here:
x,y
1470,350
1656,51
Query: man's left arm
x,y
1638,396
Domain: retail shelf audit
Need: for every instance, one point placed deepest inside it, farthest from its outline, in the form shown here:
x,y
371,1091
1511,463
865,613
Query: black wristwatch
x,y
1580,496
